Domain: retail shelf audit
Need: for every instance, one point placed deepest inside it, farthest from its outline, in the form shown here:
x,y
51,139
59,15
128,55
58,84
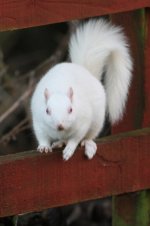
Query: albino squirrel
x,y
70,103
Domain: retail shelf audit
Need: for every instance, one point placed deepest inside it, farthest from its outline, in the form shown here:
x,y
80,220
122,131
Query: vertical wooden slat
x,y
144,212
133,209
143,209
133,25
146,118
124,215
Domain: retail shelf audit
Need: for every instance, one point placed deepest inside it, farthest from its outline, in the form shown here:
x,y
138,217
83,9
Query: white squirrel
x,y
70,103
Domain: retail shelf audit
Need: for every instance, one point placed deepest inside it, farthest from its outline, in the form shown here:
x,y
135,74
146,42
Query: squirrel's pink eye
x,y
48,111
70,110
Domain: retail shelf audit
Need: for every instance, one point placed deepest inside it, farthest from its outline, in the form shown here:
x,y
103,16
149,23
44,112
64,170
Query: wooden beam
x,y
32,181
28,13
129,209
146,118
133,118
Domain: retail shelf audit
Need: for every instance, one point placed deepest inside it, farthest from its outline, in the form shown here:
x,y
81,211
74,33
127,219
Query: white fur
x,y
88,103
97,46
100,46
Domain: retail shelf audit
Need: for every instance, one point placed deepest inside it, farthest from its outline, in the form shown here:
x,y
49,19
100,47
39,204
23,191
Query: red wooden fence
x,y
138,109
31,181
27,13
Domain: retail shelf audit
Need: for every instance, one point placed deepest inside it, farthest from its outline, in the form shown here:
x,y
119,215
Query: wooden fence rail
x,y
31,181
28,13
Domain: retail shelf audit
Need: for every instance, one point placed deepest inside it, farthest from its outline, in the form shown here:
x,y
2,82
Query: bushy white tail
x,y
101,47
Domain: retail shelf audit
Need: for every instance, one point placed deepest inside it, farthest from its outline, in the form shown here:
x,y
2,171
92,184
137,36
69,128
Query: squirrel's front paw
x,y
44,148
90,148
67,152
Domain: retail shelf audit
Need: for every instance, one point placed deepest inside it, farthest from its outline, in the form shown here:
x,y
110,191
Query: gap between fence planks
x,y
28,13
32,181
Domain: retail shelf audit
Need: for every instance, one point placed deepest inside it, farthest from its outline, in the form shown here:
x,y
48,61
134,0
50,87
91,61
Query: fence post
x,y
134,209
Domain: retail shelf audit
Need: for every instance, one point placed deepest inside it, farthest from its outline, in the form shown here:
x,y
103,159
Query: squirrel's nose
x,y
60,127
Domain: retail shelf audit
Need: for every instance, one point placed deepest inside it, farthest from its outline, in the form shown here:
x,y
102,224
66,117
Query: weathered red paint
x,y
125,206
134,110
27,13
146,118
32,181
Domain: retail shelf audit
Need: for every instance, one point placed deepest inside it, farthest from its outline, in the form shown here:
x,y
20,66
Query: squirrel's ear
x,y
46,94
70,93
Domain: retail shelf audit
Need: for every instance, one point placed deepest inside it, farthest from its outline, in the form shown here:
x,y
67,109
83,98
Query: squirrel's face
x,y
59,111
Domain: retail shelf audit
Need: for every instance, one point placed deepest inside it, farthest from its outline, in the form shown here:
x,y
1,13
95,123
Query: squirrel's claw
x,y
44,148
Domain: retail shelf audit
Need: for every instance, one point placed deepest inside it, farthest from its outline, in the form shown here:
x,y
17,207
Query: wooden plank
x,y
146,118
27,13
133,209
134,110
143,214
32,181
